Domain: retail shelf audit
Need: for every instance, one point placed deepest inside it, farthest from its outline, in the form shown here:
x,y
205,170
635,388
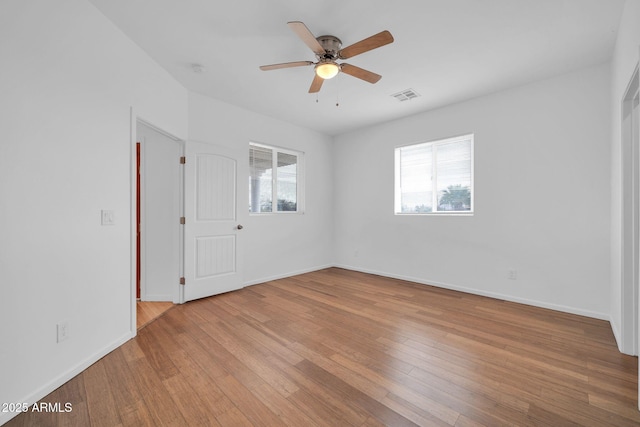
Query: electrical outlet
x,y
512,274
62,329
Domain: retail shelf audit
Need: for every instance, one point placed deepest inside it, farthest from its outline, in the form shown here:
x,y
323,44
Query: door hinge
x,y
182,281
182,220
183,160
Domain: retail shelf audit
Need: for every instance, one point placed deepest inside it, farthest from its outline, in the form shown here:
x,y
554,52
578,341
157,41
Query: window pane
x,y
274,184
415,179
287,185
435,176
260,179
454,176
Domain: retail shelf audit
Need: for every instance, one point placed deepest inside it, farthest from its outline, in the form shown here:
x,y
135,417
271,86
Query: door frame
x,y
630,222
138,176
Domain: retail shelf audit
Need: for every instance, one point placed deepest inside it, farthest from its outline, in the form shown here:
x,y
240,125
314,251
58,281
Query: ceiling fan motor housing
x,y
331,46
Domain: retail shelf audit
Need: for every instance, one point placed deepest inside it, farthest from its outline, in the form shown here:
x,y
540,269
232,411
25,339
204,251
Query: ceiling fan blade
x,y
316,84
360,73
307,36
285,65
370,43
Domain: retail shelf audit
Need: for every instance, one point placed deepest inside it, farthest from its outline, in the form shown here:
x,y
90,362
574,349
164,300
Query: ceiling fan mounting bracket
x,y
331,46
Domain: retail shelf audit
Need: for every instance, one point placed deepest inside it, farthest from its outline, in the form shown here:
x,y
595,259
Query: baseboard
x,y
616,333
289,274
534,303
157,298
66,376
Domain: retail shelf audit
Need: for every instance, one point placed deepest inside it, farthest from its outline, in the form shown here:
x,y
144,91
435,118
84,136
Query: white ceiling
x,y
446,50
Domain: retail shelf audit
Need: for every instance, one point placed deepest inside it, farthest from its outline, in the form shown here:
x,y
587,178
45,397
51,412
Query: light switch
x,y
107,217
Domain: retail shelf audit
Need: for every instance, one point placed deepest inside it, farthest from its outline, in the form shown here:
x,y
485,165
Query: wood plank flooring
x,y
340,348
148,311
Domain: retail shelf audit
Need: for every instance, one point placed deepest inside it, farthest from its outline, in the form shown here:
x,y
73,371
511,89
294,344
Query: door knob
x,y
240,227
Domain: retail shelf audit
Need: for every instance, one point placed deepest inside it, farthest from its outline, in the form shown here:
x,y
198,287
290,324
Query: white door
x,y
213,230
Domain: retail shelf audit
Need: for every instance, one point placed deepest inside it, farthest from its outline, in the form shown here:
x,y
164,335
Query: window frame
x,y
397,207
300,167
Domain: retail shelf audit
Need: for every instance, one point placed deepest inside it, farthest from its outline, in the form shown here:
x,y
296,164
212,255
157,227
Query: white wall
x,y
276,245
67,83
625,59
542,183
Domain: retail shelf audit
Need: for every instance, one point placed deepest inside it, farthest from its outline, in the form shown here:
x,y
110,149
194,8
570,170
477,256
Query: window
x,y
275,175
435,177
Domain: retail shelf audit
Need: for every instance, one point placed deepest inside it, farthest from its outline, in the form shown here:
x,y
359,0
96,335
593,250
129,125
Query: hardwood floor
x,y
340,348
148,311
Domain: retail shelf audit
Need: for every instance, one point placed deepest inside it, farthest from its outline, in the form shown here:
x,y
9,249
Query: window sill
x,y
435,214
274,213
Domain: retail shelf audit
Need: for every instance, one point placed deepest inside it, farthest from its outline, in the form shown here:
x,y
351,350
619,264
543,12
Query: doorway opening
x,y
158,202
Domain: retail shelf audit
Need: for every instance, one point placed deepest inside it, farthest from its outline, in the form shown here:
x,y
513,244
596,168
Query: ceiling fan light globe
x,y
327,70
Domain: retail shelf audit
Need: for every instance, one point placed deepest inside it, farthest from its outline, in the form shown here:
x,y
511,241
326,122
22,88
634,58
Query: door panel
x,y
215,255
213,240
215,187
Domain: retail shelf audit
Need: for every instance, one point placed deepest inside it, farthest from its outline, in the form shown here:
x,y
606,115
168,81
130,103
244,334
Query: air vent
x,y
406,95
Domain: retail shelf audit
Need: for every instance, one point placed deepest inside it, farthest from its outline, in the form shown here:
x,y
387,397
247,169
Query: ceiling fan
x,y
328,50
